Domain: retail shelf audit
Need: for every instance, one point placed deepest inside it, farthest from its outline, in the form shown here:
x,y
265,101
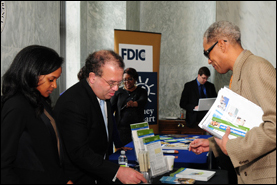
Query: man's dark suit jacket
x,y
189,99
83,129
29,153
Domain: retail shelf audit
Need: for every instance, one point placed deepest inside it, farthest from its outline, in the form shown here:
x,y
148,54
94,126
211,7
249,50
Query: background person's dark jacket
x,y
189,99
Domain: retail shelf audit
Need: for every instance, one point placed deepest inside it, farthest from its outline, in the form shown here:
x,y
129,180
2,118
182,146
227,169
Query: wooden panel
x,y
169,124
155,128
170,132
178,127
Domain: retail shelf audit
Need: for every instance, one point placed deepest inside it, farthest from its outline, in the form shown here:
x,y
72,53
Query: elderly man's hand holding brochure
x,y
233,110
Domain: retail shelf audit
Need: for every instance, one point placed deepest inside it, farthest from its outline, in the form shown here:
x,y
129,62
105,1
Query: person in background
x,y
85,116
30,142
128,105
192,92
254,78
117,143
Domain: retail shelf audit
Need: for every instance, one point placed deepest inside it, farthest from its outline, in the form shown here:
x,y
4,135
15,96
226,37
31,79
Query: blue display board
x,y
148,81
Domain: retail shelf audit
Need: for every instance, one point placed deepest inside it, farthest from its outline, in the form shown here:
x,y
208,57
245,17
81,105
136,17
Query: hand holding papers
x,y
231,109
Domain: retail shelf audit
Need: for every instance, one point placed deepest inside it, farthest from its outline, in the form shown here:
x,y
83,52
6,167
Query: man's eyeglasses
x,y
128,79
207,52
112,83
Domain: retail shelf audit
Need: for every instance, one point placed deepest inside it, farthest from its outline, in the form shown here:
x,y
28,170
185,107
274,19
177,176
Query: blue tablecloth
x,y
185,158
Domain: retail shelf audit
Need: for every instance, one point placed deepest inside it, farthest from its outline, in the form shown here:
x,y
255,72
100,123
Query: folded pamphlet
x,y
157,161
200,175
233,110
134,128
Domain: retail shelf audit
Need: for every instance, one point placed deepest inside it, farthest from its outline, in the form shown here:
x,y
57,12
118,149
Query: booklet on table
x,y
200,175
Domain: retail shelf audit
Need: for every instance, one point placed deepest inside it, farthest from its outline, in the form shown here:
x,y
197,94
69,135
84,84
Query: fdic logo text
x,y
133,54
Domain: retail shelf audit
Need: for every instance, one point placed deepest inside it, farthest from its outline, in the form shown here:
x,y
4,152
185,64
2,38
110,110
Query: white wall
x,y
181,23
27,23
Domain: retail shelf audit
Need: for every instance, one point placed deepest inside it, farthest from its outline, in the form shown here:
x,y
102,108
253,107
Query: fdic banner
x,y
141,51
139,57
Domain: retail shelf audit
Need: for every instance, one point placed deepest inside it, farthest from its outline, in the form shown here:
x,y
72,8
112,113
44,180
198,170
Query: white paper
x,y
201,175
231,109
134,128
143,134
158,164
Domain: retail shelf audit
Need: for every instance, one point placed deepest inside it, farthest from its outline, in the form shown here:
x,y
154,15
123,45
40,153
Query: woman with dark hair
x,y
30,142
128,104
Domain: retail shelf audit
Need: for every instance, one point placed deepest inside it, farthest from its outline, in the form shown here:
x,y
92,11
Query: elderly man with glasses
x,y
253,156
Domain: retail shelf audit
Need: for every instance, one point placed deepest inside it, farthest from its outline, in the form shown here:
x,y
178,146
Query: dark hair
x,y
132,72
23,74
81,73
96,60
204,70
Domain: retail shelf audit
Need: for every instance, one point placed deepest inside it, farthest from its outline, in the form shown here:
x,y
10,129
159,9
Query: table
x,y
185,158
220,177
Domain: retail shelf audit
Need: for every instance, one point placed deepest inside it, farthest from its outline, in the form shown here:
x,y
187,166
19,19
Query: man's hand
x,y
198,146
130,176
222,142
